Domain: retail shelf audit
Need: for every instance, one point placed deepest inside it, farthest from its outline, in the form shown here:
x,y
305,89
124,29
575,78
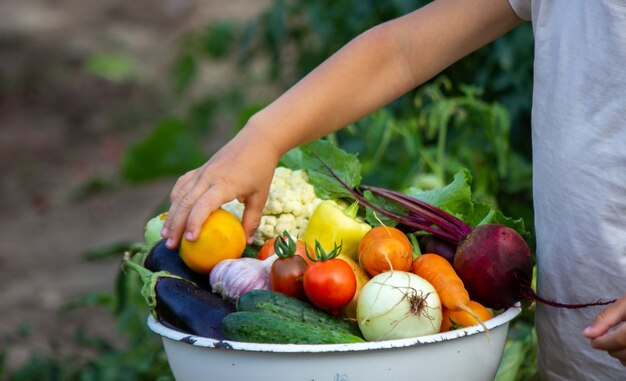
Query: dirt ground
x,y
60,128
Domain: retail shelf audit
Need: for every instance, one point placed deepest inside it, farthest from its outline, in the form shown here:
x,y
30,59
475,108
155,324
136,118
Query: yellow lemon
x,y
221,237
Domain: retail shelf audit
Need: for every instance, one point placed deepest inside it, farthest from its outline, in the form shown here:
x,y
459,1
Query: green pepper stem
x,y
352,210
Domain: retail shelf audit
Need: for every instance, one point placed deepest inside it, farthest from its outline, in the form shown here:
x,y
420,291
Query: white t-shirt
x,y
579,175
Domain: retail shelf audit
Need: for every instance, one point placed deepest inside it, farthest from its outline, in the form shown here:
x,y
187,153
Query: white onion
x,y
398,305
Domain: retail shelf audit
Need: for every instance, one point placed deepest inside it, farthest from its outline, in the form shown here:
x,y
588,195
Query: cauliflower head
x,y
290,203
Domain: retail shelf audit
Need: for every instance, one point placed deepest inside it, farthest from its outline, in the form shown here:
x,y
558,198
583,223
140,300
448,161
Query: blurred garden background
x,y
104,103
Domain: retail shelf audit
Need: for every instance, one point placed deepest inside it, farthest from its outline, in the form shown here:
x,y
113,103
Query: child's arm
x,y
372,70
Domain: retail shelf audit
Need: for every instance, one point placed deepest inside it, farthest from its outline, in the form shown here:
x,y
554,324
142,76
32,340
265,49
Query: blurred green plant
x,y
117,68
170,149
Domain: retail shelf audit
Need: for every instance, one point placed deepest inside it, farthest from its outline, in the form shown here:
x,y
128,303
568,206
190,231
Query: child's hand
x,y
614,342
242,169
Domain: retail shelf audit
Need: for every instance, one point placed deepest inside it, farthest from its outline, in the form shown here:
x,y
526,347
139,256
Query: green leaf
x,y
455,198
482,214
292,159
169,150
376,219
116,68
185,70
485,214
514,223
218,38
344,164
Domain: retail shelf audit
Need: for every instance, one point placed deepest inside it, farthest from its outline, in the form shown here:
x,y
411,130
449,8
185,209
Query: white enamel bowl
x,y
467,354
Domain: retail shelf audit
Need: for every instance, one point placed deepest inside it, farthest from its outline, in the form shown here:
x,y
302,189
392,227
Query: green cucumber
x,y
267,327
295,310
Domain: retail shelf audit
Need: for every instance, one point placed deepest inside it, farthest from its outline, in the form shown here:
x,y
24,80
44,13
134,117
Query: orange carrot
x,y
385,248
440,273
452,319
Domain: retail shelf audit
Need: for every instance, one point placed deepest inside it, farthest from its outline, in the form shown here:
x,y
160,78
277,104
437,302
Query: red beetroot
x,y
494,262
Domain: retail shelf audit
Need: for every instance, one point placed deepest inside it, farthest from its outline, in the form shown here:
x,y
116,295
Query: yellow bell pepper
x,y
331,225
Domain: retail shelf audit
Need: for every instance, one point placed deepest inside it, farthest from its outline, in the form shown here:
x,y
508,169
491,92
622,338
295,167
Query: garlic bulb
x,y
232,278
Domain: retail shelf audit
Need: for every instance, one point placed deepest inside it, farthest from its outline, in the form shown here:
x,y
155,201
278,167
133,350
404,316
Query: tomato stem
x,y
321,254
285,246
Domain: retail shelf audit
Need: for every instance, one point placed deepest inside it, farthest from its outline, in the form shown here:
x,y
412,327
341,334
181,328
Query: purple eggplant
x,y
182,304
162,258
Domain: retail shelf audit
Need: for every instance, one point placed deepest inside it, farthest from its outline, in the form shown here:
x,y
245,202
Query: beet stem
x,y
421,208
529,294
434,215
417,223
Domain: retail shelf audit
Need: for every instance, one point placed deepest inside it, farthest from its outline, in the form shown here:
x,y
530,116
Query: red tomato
x,y
286,276
330,284
267,250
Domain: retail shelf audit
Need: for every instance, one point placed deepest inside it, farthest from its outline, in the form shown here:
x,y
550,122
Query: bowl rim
x,y
502,319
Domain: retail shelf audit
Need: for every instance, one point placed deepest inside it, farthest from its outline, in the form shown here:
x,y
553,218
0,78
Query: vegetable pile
x,y
349,263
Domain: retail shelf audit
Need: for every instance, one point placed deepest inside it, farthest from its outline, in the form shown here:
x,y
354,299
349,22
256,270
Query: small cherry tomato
x,y
267,250
286,276
287,271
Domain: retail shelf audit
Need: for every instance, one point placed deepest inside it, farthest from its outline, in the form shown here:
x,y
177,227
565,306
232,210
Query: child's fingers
x,y
205,204
252,215
182,202
613,342
609,317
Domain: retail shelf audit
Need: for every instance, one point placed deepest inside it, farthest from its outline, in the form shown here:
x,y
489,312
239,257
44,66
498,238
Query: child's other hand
x,y
614,341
